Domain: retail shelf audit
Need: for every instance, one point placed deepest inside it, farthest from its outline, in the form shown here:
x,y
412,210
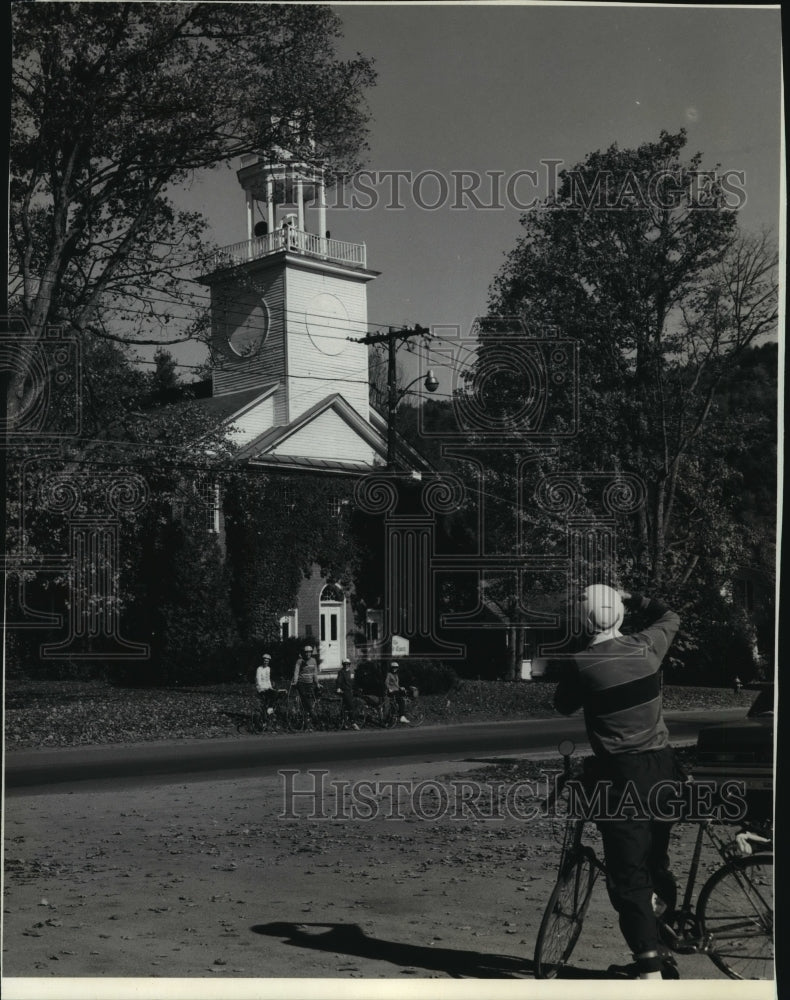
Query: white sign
x,y
400,646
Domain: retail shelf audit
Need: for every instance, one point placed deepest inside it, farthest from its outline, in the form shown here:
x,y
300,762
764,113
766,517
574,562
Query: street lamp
x,y
431,382
394,396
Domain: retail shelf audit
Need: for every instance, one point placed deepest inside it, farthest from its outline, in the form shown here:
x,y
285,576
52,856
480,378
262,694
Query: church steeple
x,y
272,186
286,300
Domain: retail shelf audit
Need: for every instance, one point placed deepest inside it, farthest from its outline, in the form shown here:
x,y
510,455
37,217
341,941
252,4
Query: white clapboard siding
x,y
322,311
255,421
328,436
237,307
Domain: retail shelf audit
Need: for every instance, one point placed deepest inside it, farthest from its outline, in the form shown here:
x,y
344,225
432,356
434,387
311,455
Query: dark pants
x,y
307,696
399,700
347,699
635,849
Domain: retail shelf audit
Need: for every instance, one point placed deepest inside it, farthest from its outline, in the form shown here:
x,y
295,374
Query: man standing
x,y
345,688
306,680
617,681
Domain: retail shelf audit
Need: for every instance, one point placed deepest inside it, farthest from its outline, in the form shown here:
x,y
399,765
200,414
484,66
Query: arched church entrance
x,y
332,624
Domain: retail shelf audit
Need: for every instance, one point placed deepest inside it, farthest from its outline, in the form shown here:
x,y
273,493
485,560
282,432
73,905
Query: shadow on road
x,y
349,939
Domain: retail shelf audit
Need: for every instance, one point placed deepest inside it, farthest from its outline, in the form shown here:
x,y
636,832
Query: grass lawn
x,y
41,713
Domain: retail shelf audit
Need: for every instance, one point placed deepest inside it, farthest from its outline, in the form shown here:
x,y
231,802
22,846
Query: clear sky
x,y
502,88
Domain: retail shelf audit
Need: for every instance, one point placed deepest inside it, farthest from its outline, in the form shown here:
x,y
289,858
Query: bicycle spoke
x,y
562,921
736,912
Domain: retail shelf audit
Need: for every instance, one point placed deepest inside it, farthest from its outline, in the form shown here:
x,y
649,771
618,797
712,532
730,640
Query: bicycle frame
x,y
727,937
682,927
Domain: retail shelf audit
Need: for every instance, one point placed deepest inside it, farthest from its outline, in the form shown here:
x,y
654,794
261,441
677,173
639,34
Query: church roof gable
x,y
277,439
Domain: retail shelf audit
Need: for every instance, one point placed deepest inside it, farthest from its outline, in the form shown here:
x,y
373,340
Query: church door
x,y
332,612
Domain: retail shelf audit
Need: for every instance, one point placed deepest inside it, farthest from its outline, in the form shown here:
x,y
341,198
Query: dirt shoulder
x,y
219,880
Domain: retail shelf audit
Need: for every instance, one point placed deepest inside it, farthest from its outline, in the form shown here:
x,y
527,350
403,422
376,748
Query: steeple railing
x,y
293,240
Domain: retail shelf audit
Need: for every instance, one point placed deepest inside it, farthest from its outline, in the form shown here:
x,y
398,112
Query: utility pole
x,y
391,339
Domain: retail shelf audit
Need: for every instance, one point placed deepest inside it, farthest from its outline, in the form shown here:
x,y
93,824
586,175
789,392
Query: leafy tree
x,y
665,296
184,598
114,104
136,446
279,527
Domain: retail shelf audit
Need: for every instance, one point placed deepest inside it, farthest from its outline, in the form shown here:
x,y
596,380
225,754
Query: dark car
x,y
744,750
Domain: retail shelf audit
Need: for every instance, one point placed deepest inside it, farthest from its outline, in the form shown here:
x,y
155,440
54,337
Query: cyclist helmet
x,y
267,656
601,608
308,649
393,666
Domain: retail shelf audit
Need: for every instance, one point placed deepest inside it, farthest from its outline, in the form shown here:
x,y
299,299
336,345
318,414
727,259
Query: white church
x,y
291,382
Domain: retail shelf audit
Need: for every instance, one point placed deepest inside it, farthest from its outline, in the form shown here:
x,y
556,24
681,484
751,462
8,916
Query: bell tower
x,y
286,300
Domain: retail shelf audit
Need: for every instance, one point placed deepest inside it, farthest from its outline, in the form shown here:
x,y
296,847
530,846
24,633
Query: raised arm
x,y
662,623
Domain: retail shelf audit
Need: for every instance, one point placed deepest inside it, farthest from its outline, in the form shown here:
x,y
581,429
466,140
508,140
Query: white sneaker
x,y
355,726
404,720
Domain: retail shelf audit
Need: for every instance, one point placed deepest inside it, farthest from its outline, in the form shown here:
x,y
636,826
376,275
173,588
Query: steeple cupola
x,y
286,300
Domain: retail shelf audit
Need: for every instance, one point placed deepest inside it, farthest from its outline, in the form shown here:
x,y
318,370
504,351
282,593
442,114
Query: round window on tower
x,y
245,323
327,323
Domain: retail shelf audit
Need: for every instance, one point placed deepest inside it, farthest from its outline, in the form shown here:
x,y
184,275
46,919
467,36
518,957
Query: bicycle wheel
x,y
390,714
564,916
327,713
295,716
415,715
359,713
250,723
736,908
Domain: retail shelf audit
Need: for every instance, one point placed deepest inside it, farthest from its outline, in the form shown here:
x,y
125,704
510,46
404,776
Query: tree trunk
x,y
511,653
659,535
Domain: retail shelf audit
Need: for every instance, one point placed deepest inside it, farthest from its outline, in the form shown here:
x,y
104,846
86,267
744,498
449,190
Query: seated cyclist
x,y
617,681
263,685
393,689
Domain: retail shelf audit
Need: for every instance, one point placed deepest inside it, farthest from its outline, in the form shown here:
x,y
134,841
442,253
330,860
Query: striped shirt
x,y
306,671
618,684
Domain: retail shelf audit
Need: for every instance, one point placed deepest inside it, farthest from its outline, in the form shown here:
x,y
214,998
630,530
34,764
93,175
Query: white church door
x,y
332,611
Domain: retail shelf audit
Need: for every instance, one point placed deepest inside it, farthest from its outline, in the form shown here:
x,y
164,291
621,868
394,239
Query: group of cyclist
x,y
305,681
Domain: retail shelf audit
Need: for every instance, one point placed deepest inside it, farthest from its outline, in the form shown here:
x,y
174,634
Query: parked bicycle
x,y
328,713
383,711
732,921
259,721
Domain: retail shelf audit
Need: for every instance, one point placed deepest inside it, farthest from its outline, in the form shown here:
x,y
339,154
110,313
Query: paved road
x,y
58,770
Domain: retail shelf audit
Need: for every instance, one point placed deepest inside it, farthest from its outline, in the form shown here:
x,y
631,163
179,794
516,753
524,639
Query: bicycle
x,y
383,711
732,922
260,721
327,712
356,716
411,709
297,720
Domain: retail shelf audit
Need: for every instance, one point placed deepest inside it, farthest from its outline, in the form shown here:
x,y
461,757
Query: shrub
x,y
428,676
